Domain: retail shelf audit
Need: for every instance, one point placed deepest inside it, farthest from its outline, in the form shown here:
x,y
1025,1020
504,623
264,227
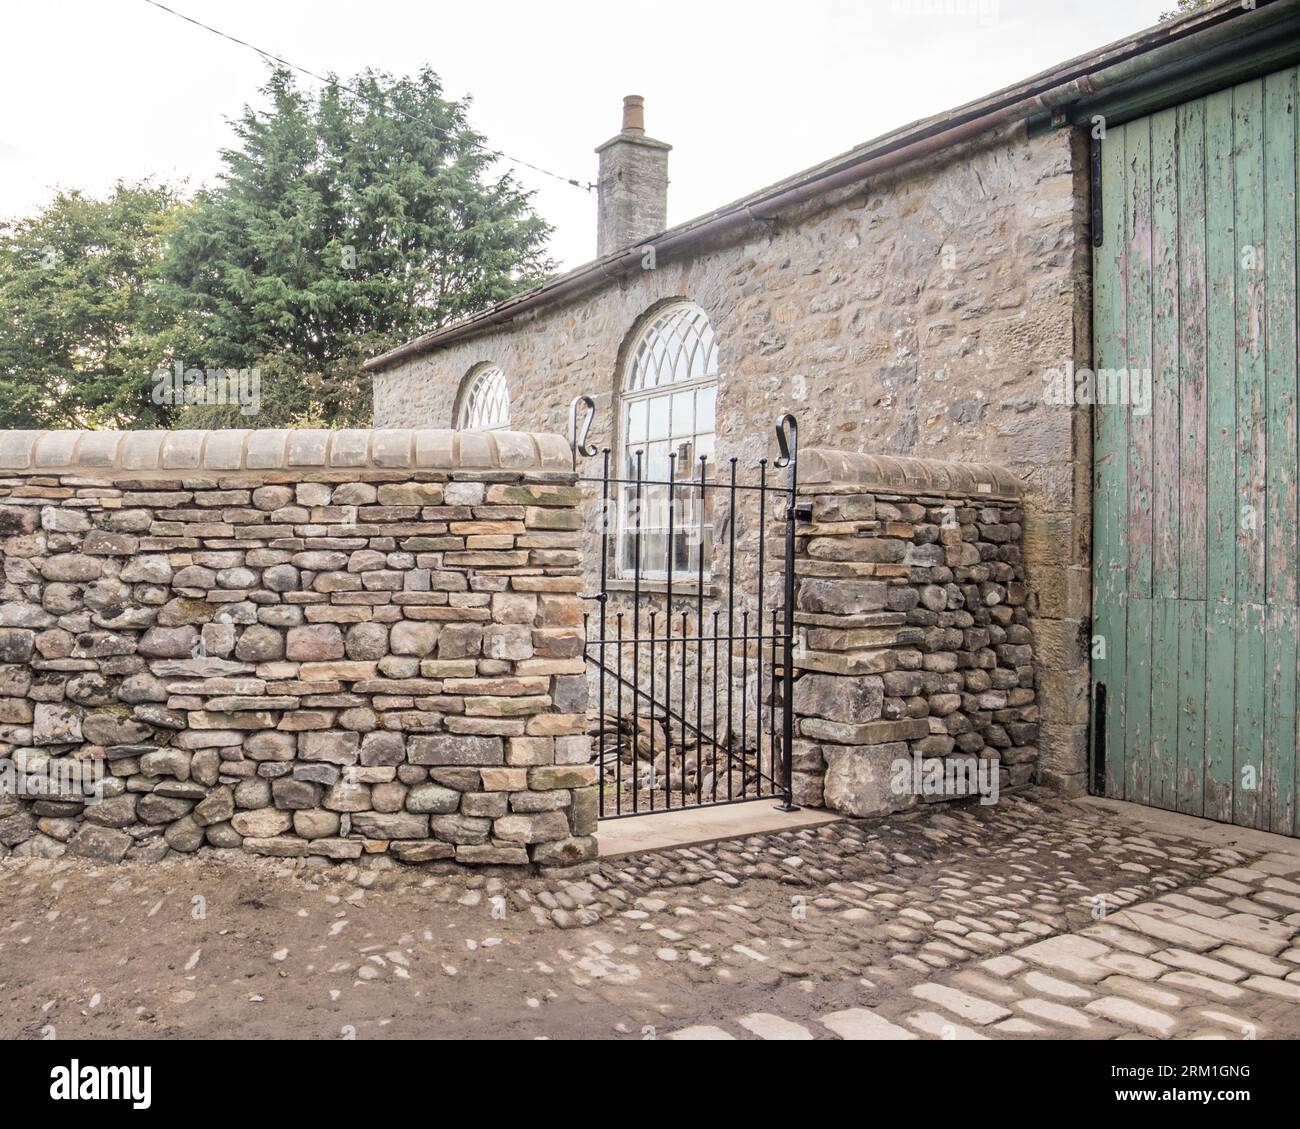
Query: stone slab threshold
x,y
1193,827
621,837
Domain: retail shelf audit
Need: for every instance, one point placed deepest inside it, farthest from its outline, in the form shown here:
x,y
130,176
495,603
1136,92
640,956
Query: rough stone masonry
x,y
295,644
916,316
912,603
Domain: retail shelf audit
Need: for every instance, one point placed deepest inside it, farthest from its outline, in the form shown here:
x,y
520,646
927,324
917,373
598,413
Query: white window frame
x,y
467,402
688,494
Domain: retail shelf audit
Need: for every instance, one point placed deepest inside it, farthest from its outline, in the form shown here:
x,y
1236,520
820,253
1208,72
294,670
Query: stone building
x,y
944,292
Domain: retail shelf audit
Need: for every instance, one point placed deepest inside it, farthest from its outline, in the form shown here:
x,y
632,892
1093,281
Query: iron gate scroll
x,y
690,641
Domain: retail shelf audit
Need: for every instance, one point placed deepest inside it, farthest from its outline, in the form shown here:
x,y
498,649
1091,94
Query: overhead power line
x,y
271,57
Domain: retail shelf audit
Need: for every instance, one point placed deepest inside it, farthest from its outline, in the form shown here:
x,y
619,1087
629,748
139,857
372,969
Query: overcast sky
x,y
747,92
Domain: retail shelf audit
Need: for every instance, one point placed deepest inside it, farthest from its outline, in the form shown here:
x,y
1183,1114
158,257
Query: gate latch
x,y
803,513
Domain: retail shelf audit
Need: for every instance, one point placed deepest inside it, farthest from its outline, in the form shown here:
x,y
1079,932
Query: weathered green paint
x,y
1282,519
1280,650
1221,355
1137,702
1191,356
1220,688
1248,743
1110,460
1190,795
1248,217
1137,138
1164,705
1196,551
1165,414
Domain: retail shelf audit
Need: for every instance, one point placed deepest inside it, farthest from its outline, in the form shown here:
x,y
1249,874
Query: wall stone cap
x,y
821,466
40,451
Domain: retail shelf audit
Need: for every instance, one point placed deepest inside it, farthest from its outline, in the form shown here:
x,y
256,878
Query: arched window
x,y
484,401
667,422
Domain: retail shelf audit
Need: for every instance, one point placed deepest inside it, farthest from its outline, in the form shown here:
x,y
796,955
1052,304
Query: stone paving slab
x,y
1041,918
634,836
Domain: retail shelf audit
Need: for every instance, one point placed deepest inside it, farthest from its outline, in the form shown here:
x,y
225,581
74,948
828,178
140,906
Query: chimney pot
x,y
634,114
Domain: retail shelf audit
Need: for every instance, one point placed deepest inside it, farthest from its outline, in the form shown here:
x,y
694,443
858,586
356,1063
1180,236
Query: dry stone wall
x,y
293,644
915,678
917,315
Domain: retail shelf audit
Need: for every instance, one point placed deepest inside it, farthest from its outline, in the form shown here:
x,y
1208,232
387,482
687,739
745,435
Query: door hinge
x,y
1098,231
1098,782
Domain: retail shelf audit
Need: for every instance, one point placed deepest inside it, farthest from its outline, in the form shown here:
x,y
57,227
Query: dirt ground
x,y
833,931
200,949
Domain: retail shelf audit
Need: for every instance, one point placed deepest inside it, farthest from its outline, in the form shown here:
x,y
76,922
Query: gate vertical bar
x,y
636,652
744,706
758,615
773,737
713,736
787,434
729,734
685,617
604,624
670,564
654,615
618,720
699,631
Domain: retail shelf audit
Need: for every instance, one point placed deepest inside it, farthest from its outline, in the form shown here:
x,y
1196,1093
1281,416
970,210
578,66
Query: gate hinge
x,y
803,513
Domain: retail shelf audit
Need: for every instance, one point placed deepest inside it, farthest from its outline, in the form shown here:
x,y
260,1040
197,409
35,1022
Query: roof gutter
x,y
586,278
1044,94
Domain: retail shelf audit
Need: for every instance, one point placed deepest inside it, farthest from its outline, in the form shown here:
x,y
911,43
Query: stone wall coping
x,y
886,474
282,449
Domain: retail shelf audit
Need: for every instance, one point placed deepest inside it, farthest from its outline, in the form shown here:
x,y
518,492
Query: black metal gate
x,y
689,643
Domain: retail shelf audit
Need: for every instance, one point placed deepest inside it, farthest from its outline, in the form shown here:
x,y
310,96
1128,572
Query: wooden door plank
x,y
1191,350
1197,506
1137,702
1164,704
1279,785
1220,680
1164,390
1295,785
1220,461
1248,216
1113,674
1191,700
1138,308
1221,353
1282,516
1110,462
1248,720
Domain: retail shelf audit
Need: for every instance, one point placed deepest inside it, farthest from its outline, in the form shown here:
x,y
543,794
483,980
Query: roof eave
x,y
1047,94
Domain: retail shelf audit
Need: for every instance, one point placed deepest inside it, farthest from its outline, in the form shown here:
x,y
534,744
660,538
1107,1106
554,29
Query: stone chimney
x,y
633,190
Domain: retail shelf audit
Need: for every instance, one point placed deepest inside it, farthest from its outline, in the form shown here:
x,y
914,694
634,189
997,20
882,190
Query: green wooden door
x,y
1195,500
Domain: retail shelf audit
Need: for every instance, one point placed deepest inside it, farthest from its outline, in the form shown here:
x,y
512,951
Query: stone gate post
x,y
915,665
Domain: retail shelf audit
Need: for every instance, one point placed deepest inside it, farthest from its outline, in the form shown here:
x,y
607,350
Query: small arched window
x,y
667,420
484,401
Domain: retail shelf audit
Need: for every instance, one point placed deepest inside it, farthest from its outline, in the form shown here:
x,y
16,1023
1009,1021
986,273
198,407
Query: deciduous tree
x,y
82,323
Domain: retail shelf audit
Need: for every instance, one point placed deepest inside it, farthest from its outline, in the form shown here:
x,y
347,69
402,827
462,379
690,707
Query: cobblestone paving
x,y
1036,917
1033,918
